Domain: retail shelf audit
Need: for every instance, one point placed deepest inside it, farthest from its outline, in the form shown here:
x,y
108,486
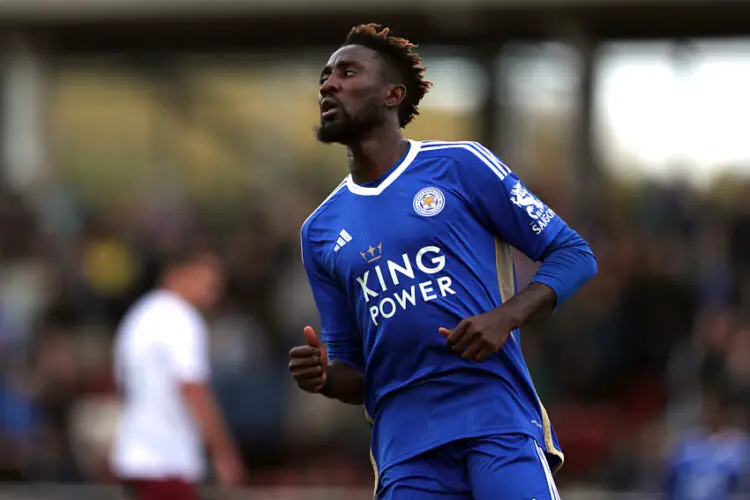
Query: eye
x,y
323,79
349,73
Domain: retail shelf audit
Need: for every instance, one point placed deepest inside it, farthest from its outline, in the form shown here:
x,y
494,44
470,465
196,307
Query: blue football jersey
x,y
707,466
426,245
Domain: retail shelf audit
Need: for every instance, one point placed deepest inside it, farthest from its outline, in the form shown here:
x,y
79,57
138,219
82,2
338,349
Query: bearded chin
x,y
340,129
347,129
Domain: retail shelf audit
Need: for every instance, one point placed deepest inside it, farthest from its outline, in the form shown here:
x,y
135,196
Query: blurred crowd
x,y
621,368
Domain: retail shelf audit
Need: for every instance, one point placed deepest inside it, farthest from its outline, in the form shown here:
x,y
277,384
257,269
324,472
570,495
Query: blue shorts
x,y
502,467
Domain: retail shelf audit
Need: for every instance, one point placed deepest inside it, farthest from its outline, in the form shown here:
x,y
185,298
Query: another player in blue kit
x,y
710,460
411,266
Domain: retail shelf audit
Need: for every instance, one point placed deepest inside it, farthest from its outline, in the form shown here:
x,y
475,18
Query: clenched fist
x,y
309,363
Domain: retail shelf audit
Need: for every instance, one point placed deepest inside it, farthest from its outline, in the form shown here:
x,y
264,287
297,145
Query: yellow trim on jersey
x,y
549,444
506,271
506,274
372,460
374,471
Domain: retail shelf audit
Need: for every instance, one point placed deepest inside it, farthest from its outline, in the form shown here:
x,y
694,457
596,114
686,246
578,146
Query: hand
x,y
309,363
478,336
230,472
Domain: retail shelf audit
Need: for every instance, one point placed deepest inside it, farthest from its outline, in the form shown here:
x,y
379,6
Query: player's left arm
x,y
502,202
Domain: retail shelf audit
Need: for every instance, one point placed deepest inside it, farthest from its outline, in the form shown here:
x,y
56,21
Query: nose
x,y
329,86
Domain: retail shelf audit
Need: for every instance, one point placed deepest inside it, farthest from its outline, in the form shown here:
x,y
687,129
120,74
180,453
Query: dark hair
x,y
188,252
405,64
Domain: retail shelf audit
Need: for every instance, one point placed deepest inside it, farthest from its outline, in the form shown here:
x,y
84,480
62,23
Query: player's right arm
x,y
314,373
335,369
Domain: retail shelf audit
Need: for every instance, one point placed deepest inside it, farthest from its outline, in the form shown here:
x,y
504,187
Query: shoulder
x,y
688,440
159,308
314,227
313,221
467,155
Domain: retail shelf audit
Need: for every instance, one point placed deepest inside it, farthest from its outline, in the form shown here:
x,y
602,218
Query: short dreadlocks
x,y
403,65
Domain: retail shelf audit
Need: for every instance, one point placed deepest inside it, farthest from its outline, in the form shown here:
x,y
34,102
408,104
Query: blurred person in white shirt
x,y
162,370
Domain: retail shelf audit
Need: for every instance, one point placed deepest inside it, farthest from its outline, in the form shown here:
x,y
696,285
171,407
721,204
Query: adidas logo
x,y
343,239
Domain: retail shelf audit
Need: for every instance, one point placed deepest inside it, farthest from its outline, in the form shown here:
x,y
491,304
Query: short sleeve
x,y
188,347
504,204
338,329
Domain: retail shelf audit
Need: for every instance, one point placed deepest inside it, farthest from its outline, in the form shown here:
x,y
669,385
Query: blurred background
x,y
128,126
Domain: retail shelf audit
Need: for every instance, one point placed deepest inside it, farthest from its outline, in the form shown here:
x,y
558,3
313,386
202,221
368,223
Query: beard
x,y
347,128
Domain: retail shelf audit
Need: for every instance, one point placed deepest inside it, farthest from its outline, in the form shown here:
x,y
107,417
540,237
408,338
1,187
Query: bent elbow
x,y
591,267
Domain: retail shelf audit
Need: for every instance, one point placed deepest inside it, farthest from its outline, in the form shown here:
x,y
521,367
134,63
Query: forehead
x,y
208,262
353,54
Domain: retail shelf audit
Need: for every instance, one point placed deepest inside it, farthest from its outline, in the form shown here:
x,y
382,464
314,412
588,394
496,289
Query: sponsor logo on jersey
x,y
394,285
540,214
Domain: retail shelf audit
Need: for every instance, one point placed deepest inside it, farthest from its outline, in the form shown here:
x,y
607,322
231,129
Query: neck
x,y
376,154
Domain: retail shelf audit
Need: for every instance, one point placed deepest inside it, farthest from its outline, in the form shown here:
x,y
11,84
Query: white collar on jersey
x,y
375,191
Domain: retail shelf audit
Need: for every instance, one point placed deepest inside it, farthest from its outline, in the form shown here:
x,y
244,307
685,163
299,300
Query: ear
x,y
395,95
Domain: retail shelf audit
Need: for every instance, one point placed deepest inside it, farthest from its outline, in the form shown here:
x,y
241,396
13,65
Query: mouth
x,y
328,108
328,113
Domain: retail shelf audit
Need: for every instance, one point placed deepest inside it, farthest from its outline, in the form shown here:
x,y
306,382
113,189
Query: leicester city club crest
x,y
429,202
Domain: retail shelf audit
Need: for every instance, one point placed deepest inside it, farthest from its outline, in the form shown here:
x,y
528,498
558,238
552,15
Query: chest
x,y
405,230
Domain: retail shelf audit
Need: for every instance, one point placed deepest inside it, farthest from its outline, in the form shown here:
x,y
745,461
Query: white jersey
x,y
161,342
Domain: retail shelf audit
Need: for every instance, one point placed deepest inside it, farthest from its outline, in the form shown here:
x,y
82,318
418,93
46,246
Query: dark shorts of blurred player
x,y
159,489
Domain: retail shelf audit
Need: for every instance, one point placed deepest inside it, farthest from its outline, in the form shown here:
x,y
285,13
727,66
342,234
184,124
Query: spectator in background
x,y
162,372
